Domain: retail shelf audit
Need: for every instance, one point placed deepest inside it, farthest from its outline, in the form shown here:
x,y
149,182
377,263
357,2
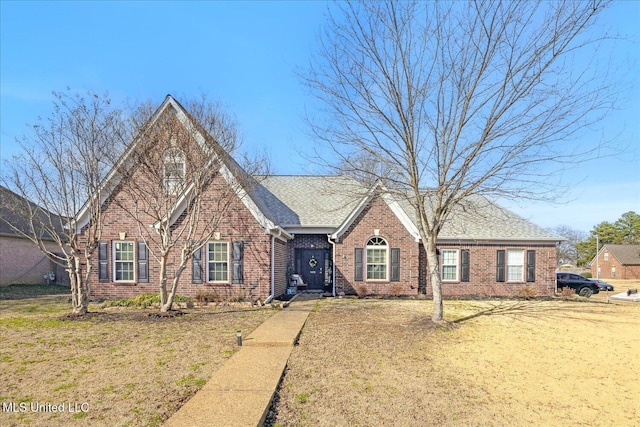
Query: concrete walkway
x,y
240,392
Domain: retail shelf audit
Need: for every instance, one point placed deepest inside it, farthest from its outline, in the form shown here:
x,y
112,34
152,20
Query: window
x,y
613,272
174,170
450,265
123,262
218,262
515,265
606,256
377,259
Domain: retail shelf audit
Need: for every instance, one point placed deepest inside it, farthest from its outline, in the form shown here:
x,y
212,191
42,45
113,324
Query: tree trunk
x,y
174,287
163,282
79,298
434,278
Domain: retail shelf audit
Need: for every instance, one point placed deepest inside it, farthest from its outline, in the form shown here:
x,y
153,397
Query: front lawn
x,y
116,367
518,363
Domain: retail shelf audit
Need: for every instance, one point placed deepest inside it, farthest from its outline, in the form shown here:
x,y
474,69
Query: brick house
x,y
21,261
617,262
333,235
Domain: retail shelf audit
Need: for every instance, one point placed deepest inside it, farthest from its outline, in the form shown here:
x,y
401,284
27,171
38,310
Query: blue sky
x,y
245,55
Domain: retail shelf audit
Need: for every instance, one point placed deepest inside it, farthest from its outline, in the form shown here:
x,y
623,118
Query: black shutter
x,y
196,266
237,261
103,261
464,265
500,266
143,263
395,264
531,266
358,265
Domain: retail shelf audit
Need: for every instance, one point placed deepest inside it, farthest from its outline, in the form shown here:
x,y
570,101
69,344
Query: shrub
x,y
395,290
221,295
587,275
203,297
527,292
567,293
142,301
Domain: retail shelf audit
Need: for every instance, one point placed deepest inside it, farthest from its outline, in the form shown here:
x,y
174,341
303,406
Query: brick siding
x,y
22,262
606,268
376,216
238,224
413,271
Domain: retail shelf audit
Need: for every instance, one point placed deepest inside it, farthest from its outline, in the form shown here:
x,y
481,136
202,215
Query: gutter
x,y
280,234
273,272
333,264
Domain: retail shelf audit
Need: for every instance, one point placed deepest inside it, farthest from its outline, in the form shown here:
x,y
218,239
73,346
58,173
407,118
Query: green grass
x,y
302,397
31,323
190,380
32,291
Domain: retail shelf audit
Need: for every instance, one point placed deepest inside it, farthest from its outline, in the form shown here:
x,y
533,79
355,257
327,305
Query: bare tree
x,y
57,174
457,98
180,181
567,250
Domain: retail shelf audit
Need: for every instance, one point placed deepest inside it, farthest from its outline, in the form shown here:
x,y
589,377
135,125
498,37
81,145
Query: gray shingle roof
x,y
308,201
13,210
327,201
479,219
626,254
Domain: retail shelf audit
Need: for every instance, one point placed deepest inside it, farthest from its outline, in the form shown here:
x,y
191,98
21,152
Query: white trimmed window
x,y
450,265
174,166
218,262
123,261
606,256
377,259
515,265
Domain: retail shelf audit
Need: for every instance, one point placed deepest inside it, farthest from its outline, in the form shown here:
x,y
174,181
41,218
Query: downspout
x,y
333,264
273,272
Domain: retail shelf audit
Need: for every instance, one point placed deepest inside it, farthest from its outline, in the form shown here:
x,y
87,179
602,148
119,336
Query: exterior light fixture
x,y
239,338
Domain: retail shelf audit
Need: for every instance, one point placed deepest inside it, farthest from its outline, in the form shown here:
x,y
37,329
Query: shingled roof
x,y
310,201
11,219
298,202
625,254
329,203
479,219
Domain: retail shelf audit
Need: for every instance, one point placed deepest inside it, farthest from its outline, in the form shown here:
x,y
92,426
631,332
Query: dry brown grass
x,y
130,369
381,362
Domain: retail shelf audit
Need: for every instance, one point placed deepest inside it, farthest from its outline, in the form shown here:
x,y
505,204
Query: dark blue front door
x,y
314,265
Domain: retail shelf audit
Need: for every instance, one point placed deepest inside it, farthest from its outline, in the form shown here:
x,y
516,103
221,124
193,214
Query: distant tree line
x,y
626,230
580,247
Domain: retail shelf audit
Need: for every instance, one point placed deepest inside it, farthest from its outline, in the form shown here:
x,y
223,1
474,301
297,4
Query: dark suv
x,y
583,286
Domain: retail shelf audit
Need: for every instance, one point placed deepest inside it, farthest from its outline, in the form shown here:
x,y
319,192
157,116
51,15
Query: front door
x,y
314,265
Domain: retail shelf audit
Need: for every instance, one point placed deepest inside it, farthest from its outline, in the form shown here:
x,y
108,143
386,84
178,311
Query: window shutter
x,y
464,265
395,264
531,266
143,263
358,265
103,261
237,261
196,266
500,267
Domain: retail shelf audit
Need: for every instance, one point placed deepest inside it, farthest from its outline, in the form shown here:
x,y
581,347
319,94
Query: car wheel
x,y
585,292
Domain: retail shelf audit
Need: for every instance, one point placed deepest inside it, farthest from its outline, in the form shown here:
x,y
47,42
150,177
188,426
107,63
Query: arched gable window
x,y
174,170
377,259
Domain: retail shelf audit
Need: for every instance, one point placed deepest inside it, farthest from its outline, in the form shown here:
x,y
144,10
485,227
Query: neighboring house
x,y
21,261
338,236
617,262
